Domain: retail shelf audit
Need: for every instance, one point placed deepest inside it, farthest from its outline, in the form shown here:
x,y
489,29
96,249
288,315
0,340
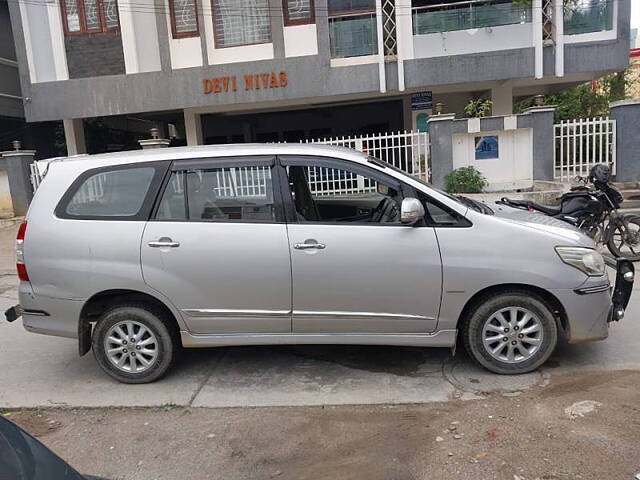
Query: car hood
x,y
542,222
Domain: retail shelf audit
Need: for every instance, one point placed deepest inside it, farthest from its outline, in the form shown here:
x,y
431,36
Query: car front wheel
x,y
511,333
133,344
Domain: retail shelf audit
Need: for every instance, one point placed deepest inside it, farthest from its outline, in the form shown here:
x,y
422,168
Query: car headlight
x,y
584,259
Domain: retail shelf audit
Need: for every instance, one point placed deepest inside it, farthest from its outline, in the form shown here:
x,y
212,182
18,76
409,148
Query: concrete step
x,y
631,193
631,203
626,185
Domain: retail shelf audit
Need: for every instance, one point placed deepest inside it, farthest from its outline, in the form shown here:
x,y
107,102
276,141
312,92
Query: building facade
x,y
217,71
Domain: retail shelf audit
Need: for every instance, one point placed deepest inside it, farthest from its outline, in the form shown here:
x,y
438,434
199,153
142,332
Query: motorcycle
x,y
594,210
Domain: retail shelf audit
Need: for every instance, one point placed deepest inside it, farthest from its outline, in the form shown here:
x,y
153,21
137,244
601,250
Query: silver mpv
x,y
137,254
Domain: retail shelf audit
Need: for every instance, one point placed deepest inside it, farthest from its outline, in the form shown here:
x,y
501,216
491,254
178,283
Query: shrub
x,y
465,180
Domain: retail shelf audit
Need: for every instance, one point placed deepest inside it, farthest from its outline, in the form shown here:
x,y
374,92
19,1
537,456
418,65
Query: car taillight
x,y
20,266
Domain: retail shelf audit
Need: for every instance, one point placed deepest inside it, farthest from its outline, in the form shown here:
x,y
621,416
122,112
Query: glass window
x,y
585,16
184,18
298,12
89,16
350,6
241,22
238,193
172,206
431,16
322,194
352,28
116,193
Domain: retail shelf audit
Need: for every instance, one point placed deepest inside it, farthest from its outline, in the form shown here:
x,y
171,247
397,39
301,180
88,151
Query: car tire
x,y
510,333
134,343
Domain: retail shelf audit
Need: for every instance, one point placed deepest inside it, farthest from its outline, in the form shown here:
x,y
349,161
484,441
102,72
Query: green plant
x,y
478,108
465,180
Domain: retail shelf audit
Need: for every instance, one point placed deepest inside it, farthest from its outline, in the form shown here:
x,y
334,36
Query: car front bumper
x,y
591,308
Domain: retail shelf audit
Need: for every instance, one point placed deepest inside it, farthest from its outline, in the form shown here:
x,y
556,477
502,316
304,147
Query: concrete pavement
x,y
40,371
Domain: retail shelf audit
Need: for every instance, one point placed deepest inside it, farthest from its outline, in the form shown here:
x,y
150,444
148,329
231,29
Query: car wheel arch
x,y
545,296
100,302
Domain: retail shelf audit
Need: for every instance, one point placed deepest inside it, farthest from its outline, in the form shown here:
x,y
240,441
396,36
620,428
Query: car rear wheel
x,y
511,333
133,343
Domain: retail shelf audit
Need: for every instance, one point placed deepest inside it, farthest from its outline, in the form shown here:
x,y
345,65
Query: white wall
x,y
300,40
477,40
514,166
44,41
139,36
184,52
6,206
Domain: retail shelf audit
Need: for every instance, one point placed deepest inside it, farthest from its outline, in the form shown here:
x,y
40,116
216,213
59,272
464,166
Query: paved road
x,y
46,371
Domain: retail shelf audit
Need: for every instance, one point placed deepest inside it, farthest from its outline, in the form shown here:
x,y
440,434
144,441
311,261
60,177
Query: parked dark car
x,y
22,457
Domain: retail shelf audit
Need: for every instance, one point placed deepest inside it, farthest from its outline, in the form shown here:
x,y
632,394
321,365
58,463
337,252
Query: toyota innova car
x,y
137,254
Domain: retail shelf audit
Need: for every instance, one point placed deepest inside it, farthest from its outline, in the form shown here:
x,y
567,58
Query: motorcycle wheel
x,y
625,242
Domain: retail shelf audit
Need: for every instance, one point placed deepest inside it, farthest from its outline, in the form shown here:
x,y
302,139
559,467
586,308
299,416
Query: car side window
x,y
324,194
438,215
112,193
173,205
219,194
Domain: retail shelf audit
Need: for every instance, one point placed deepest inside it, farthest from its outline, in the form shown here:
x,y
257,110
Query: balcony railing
x,y
586,16
447,17
353,35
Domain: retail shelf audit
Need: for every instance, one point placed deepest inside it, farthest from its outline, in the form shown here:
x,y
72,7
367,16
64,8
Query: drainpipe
x,y
403,33
381,70
537,37
558,20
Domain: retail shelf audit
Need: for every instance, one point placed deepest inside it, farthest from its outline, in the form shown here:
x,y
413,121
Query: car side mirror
x,y
411,211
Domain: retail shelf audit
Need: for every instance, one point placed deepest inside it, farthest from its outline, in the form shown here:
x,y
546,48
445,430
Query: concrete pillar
x,y
441,129
193,128
19,175
626,113
74,136
502,98
540,121
155,141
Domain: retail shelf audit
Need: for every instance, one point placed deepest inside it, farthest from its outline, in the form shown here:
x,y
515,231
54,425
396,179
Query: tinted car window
x,y
173,206
234,193
115,193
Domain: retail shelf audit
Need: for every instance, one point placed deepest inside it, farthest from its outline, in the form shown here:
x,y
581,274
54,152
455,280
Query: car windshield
x,y
462,200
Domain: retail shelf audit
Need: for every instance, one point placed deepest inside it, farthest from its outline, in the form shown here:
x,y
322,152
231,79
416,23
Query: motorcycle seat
x,y
548,210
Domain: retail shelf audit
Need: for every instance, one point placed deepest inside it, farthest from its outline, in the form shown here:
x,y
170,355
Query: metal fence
x,y
408,151
582,143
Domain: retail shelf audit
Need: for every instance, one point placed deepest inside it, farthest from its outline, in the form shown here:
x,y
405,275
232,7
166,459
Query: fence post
x,y
19,175
441,129
626,113
540,121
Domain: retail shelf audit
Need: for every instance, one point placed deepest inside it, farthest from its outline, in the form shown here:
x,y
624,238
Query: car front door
x,y
217,247
355,267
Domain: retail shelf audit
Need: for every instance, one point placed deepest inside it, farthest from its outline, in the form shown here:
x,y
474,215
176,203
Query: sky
x,y
635,13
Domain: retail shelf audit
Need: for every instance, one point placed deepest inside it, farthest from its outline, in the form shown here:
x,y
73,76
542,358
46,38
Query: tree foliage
x,y
586,100
478,108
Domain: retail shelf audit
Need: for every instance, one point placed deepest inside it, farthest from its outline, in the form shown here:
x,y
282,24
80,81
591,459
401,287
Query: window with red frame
x,y
184,18
89,16
298,12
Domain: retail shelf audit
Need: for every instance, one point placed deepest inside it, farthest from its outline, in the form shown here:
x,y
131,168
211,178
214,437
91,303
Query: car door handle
x,y
164,242
309,246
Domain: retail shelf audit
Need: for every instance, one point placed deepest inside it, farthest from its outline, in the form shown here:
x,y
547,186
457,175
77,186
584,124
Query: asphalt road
x,y
42,371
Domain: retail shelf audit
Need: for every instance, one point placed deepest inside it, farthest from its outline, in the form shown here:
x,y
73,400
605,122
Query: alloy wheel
x,y
131,347
512,335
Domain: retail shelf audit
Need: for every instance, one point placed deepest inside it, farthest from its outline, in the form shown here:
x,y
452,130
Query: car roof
x,y
205,151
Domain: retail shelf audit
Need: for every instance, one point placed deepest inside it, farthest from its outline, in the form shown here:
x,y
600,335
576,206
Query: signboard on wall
x,y
422,101
249,81
486,147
